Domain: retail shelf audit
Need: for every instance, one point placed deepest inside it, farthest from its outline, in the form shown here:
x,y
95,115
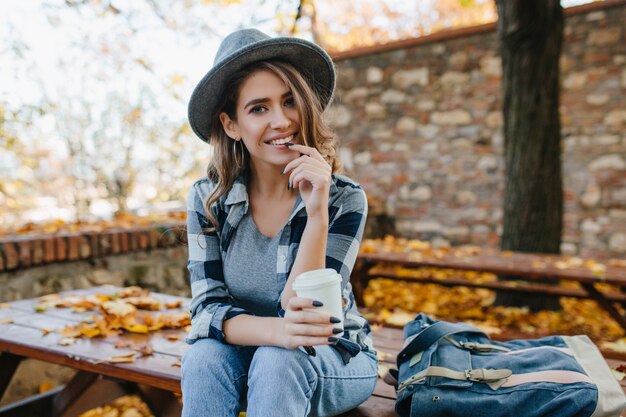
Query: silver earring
x,y
239,164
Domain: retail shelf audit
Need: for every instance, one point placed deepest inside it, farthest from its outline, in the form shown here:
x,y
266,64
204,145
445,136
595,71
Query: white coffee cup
x,y
322,285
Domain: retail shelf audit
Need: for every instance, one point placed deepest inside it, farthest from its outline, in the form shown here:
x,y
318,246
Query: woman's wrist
x,y
320,218
276,332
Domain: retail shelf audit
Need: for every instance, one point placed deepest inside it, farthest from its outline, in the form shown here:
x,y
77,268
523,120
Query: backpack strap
x,y
498,376
432,334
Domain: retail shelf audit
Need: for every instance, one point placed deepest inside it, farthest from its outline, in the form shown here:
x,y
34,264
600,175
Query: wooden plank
x,y
515,264
373,407
73,390
518,286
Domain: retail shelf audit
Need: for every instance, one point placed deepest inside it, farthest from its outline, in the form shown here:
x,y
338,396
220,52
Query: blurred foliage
x,y
94,92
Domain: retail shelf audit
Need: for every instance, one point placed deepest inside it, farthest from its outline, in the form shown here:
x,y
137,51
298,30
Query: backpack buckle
x,y
487,375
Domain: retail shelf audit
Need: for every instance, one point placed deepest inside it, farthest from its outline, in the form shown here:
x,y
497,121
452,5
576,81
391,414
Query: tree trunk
x,y
531,34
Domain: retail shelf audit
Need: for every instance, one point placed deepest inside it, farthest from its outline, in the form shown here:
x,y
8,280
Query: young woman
x,y
270,209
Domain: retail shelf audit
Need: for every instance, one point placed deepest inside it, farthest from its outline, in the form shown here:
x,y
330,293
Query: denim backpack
x,y
454,369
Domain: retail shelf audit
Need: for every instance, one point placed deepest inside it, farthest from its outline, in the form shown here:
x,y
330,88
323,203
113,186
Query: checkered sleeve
x,y
211,303
346,231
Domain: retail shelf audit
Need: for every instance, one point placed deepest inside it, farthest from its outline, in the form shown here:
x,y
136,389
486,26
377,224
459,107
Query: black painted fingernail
x,y
317,304
332,339
335,320
282,171
289,186
337,330
289,144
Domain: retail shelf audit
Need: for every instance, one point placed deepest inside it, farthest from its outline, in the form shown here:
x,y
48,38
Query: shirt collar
x,y
238,192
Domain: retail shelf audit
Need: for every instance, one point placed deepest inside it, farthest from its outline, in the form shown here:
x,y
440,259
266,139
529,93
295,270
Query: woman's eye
x,y
257,109
290,102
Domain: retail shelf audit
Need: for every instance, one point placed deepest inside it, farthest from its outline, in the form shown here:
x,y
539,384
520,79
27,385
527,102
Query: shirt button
x,y
283,258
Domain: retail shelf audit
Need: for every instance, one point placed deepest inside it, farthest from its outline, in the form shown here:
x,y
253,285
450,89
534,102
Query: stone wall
x,y
420,126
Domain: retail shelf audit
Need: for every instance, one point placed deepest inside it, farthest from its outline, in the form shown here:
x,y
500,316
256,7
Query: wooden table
x,y
538,270
156,378
152,375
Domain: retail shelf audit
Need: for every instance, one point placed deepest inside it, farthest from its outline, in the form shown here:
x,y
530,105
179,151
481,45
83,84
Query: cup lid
x,y
316,278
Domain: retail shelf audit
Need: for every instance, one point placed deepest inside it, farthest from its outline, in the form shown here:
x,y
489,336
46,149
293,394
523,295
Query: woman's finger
x,y
310,317
315,179
298,303
307,150
310,341
299,329
305,159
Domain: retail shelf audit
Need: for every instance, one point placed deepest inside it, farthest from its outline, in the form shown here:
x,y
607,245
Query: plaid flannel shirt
x,y
211,302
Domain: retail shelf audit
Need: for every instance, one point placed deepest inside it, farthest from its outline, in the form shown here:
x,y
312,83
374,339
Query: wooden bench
x,y
535,271
156,378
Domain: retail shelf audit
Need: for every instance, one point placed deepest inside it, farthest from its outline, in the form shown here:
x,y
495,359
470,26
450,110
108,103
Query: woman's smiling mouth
x,y
281,141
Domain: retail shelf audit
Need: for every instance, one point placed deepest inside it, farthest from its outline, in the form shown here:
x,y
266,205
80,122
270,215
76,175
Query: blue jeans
x,y
218,378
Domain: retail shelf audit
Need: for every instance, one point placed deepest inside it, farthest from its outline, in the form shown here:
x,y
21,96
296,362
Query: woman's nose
x,y
280,119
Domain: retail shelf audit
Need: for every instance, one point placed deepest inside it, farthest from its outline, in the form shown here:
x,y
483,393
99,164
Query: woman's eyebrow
x,y
265,99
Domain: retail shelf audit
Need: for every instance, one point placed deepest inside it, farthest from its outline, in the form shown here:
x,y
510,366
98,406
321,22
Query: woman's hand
x,y
311,174
304,328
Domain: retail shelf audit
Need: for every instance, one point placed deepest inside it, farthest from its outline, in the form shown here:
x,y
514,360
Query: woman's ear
x,y
229,125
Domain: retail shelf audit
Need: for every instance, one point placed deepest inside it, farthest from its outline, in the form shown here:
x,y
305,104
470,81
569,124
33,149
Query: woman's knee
x,y
207,357
281,364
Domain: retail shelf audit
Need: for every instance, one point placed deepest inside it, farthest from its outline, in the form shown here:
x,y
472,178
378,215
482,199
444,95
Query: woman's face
x,y
267,118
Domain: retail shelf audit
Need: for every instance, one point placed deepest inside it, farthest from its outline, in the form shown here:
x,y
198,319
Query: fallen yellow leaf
x,y
91,331
129,358
136,328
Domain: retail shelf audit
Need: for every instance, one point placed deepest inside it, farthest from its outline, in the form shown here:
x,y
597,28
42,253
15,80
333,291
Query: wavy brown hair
x,y
224,168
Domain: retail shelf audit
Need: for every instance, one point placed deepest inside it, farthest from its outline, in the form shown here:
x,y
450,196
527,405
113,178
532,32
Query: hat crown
x,y
237,41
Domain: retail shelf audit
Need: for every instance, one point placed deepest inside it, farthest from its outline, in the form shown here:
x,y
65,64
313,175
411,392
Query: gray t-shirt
x,y
250,269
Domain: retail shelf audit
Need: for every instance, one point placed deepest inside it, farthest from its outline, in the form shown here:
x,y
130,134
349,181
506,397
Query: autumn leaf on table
x,y
7,321
133,291
128,358
40,308
174,304
118,308
144,302
66,341
136,328
90,331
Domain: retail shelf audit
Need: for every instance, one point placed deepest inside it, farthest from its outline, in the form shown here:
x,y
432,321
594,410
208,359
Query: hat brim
x,y
311,60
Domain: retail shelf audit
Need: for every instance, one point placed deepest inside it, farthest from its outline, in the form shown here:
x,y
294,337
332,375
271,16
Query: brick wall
x,y
153,257
18,252
420,126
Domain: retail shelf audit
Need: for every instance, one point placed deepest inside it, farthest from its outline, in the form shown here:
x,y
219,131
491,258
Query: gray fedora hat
x,y
244,47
